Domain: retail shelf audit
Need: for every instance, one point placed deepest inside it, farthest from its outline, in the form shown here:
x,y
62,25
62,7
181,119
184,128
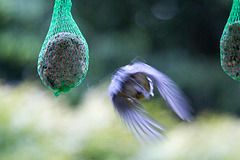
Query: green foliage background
x,y
186,47
81,124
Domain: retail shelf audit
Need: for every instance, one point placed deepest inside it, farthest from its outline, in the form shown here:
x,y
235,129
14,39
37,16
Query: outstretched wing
x,y
136,118
174,97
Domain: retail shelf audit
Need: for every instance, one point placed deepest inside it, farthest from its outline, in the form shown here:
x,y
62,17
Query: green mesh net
x,y
64,57
230,43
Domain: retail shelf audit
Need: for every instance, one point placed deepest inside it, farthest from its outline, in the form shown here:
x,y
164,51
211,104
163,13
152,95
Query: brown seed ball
x,y
64,63
230,50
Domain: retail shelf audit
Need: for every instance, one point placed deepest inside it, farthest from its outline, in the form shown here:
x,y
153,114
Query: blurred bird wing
x,y
136,118
115,85
167,88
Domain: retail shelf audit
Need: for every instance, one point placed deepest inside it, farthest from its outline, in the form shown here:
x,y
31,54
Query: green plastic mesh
x,y
64,57
230,43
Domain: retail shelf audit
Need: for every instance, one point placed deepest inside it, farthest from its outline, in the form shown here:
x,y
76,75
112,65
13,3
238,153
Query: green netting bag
x,y
230,43
64,57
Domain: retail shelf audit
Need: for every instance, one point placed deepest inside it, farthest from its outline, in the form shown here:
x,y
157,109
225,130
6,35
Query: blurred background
x,y
178,37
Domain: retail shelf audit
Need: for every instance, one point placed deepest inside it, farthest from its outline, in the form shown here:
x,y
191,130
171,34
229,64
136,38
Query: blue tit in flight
x,y
136,81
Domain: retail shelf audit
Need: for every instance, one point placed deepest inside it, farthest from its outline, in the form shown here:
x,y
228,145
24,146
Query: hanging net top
x,y
230,43
64,58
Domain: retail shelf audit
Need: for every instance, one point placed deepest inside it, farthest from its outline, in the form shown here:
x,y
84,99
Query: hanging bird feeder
x,y
64,58
230,43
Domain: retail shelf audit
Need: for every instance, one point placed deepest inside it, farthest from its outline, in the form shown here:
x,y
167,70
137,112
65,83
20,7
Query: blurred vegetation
x,y
180,38
208,137
40,127
34,126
